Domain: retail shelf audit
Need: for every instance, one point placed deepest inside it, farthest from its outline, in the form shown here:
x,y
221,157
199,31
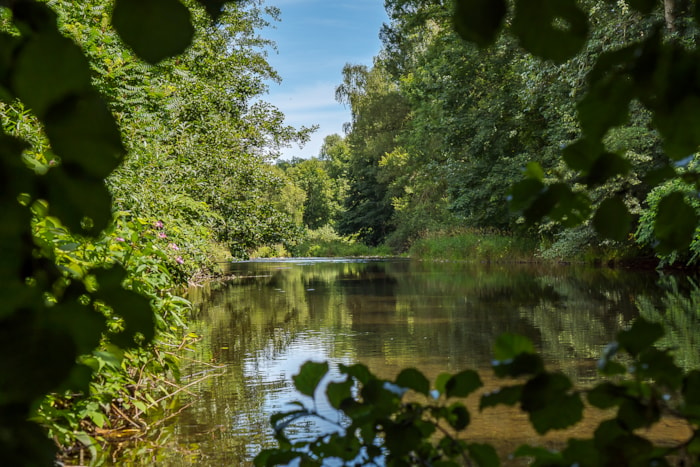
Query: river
x,y
259,328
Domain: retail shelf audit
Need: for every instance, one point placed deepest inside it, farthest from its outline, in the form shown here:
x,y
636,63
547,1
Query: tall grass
x,y
474,245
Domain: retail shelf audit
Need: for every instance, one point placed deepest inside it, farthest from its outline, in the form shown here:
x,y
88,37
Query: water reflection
x,y
388,315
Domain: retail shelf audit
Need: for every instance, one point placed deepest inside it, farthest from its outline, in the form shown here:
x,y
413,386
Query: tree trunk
x,y
674,10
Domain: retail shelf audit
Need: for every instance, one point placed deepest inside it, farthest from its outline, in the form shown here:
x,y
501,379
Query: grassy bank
x,y
474,245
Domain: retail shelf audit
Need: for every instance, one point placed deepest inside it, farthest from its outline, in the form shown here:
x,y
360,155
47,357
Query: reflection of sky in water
x,y
273,372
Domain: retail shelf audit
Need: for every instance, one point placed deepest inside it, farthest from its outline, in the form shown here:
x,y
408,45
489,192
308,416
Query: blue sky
x,y
315,38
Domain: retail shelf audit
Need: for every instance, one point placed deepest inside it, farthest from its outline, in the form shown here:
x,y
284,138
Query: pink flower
x,y
162,235
120,239
179,260
158,224
173,246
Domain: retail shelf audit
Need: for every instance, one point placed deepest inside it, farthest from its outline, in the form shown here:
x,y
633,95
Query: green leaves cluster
x,y
658,70
379,425
403,422
68,287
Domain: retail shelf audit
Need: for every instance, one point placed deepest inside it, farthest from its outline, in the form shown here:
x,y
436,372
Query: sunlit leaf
x,y
155,29
413,379
550,29
309,377
479,21
612,219
509,345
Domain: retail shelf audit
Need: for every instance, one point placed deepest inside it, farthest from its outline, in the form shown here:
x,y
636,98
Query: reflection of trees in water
x,y
679,310
436,316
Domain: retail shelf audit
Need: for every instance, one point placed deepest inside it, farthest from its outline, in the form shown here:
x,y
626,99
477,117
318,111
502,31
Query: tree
x,y
52,315
378,115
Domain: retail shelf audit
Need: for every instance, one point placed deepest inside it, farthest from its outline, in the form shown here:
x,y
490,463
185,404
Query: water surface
x,y
259,328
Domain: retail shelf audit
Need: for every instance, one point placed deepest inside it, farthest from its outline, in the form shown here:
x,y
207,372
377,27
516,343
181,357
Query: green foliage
x,y
79,278
325,242
402,422
654,70
473,245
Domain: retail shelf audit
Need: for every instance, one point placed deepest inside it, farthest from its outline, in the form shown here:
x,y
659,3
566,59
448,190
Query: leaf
x,y
522,364
337,392
607,166
458,416
441,382
310,375
634,414
484,455
606,395
643,6
583,453
542,456
551,29
48,69
534,170
73,196
675,223
413,379
83,132
605,105
581,154
134,309
479,21
154,29
641,336
358,371
550,406
523,193
659,366
612,219
463,383
679,126
508,346
214,8
508,395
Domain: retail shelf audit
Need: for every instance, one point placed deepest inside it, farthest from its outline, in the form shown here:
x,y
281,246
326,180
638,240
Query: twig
x,y
167,396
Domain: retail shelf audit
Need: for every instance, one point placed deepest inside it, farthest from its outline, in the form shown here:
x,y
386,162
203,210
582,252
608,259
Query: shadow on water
x,y
390,314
